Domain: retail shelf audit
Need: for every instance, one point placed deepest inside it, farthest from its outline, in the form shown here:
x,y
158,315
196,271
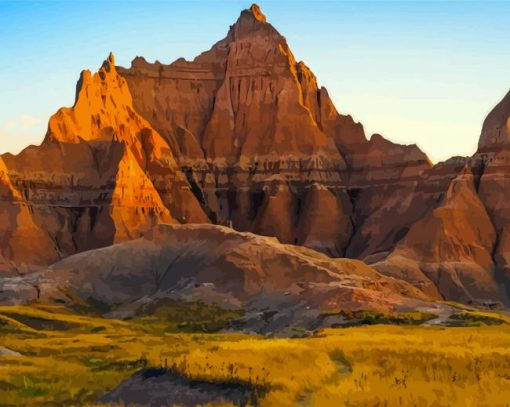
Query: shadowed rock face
x,y
243,136
335,191
448,252
492,165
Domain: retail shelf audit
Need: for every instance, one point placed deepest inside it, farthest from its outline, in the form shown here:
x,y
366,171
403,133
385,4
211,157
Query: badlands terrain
x,y
214,231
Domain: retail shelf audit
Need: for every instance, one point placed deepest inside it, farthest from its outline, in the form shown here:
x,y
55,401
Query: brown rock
x,y
496,127
212,263
92,182
451,246
254,114
243,136
22,240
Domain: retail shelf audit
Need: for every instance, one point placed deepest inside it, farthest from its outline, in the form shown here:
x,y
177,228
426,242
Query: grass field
x,y
71,359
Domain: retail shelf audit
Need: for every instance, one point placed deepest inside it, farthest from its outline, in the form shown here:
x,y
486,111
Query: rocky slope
x,y
244,136
448,252
214,264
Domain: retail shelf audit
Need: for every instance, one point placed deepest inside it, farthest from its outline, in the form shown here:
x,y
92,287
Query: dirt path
x,y
343,368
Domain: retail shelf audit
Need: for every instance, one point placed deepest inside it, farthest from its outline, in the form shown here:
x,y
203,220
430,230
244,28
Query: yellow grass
x,y
380,365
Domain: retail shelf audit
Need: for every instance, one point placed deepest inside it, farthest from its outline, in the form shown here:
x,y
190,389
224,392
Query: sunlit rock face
x,y
101,175
267,151
263,146
244,136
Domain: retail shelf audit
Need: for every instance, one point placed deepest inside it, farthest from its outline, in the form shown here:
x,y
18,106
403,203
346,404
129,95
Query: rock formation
x,y
92,182
287,284
263,145
492,166
448,252
243,136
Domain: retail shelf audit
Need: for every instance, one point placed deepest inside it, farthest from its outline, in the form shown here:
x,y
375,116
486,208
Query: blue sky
x,y
424,72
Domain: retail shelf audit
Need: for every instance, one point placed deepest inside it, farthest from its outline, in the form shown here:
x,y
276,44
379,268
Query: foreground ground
x,y
70,359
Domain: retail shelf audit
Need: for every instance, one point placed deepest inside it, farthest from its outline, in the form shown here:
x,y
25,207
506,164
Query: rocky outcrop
x,y
448,253
101,175
6,352
491,163
19,230
263,145
215,264
496,127
243,136
459,249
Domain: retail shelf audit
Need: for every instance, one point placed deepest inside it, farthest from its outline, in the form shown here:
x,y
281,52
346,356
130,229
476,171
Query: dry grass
x,y
78,358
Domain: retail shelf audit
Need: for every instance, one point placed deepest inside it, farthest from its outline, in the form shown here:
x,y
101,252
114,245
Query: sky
x,y
424,72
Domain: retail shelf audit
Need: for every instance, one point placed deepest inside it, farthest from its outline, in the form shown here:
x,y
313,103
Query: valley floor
x,y
70,359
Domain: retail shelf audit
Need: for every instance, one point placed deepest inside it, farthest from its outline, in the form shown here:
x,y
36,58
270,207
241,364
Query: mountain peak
x,y
496,127
109,63
257,13
111,58
251,21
